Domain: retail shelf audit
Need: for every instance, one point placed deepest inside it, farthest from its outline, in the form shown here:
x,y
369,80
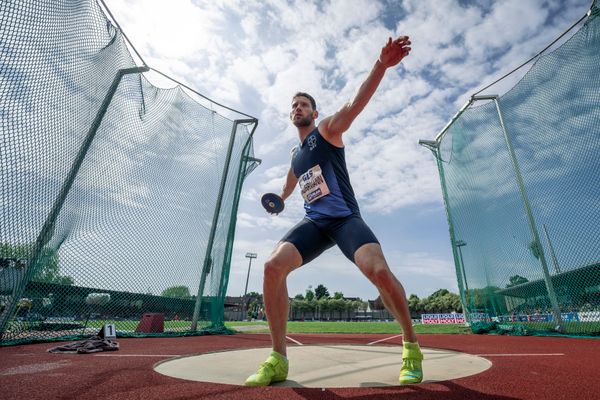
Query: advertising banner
x,y
442,318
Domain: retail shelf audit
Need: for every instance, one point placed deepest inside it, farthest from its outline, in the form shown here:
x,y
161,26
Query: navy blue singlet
x,y
323,178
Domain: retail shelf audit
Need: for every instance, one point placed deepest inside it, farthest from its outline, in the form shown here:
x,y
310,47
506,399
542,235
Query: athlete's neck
x,y
304,131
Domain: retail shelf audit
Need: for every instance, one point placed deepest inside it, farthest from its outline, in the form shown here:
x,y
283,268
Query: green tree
x,y
310,295
256,296
338,295
252,308
338,305
180,292
439,293
413,303
323,306
299,297
425,305
321,291
441,301
359,305
306,305
253,298
48,270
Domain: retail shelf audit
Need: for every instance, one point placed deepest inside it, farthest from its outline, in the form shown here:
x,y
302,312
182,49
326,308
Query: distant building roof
x,y
573,280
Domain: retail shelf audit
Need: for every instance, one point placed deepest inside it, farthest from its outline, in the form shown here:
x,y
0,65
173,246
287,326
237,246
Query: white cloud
x,y
254,55
501,29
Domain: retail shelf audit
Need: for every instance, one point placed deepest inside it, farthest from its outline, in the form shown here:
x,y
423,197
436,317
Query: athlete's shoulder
x,y
294,150
316,132
333,142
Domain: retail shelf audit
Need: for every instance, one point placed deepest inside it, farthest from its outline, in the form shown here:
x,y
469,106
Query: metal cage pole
x,y
460,271
48,228
433,145
530,219
208,259
241,176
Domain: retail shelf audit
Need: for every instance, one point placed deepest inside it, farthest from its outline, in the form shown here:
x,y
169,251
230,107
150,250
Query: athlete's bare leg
x,y
284,259
370,260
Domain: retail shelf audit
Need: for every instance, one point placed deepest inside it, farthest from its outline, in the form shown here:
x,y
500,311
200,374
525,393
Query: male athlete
x,y
332,217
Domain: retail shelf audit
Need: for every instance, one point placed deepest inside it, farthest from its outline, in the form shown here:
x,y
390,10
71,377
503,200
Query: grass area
x,y
571,328
584,329
128,325
307,326
356,327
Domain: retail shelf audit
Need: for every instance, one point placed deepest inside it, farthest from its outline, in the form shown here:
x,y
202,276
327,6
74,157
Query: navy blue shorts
x,y
313,237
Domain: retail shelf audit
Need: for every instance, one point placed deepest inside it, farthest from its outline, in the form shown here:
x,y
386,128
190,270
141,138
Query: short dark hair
x,y
313,103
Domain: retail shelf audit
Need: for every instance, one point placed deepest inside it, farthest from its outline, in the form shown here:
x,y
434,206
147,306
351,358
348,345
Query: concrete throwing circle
x,y
324,366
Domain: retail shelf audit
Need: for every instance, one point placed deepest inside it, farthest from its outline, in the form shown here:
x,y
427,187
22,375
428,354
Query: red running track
x,y
520,370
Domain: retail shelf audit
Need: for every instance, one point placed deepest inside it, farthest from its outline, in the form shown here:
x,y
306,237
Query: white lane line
x,y
383,340
138,355
293,340
520,354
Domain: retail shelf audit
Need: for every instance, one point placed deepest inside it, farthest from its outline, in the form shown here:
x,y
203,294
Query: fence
x,y
519,176
117,198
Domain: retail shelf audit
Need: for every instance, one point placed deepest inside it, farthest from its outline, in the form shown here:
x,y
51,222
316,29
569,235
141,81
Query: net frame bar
x,y
530,218
434,147
45,234
48,228
207,258
459,266
242,173
457,256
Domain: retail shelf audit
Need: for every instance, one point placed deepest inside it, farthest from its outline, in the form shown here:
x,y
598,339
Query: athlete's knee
x,y
380,275
276,268
377,271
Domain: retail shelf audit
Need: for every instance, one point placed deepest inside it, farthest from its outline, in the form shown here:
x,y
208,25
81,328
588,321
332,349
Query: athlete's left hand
x,y
394,51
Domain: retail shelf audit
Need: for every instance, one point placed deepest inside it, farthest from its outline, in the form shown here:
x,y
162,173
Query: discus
x,y
272,203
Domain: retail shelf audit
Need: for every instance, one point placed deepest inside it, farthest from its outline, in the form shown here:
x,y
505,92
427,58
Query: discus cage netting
x,y
519,176
118,199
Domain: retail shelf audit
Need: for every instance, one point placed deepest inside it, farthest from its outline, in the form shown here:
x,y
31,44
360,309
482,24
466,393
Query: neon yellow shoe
x,y
412,368
275,369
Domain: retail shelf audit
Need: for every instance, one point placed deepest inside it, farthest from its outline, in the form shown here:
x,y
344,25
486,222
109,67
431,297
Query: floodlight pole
x,y
532,226
250,256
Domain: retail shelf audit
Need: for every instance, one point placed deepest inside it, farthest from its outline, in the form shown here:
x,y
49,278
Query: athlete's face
x,y
302,113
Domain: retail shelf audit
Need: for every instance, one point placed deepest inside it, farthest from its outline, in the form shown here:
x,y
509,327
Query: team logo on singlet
x,y
312,142
313,185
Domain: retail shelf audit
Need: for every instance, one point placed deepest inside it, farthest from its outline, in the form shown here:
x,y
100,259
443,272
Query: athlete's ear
x,y
315,114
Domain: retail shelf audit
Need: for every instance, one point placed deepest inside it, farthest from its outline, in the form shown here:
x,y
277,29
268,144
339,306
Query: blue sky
x,y
253,56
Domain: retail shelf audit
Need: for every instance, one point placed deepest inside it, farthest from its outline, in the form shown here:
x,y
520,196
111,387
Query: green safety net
x,y
118,199
520,179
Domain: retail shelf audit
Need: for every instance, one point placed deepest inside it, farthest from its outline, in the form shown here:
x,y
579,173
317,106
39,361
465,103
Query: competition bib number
x,y
313,185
